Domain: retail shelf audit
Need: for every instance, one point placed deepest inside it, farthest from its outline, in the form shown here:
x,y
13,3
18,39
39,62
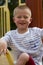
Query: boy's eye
x,y
25,17
19,17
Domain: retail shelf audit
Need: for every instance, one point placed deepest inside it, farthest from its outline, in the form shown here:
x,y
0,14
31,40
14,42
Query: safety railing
x,y
4,20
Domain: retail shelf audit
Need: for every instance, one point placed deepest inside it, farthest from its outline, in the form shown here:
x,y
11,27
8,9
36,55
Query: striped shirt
x,y
30,42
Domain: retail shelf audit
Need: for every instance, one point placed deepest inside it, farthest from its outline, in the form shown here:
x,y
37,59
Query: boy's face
x,y
22,19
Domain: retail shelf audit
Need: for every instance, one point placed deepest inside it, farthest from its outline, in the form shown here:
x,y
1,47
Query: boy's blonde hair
x,y
21,7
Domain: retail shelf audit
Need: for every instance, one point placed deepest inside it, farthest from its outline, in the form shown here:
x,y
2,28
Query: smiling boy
x,y
26,42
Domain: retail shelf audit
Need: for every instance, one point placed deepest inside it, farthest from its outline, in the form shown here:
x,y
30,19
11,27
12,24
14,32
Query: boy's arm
x,y
3,46
41,33
4,41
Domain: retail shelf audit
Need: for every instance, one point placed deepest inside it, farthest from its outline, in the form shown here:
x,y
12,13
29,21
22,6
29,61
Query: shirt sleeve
x,y
42,50
39,31
7,38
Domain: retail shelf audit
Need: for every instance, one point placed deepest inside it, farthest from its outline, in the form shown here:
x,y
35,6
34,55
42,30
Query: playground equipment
x,y
6,59
4,17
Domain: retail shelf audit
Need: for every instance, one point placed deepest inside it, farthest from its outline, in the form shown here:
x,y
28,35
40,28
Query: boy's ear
x,y
13,18
30,20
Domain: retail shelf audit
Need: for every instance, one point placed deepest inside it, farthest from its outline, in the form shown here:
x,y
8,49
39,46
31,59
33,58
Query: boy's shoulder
x,y
11,32
35,28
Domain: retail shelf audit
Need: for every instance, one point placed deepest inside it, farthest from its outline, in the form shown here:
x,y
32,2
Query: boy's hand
x,y
3,47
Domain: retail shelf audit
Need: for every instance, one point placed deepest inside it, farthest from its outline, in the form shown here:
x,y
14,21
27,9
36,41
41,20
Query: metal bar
x,y
1,23
21,3
4,21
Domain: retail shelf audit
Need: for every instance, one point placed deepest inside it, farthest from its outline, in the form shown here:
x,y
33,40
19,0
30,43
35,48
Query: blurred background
x,y
6,13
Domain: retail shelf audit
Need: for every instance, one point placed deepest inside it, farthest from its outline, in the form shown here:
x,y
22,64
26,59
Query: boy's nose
x,y
22,18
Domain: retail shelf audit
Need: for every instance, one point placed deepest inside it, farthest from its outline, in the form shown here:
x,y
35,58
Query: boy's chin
x,y
22,28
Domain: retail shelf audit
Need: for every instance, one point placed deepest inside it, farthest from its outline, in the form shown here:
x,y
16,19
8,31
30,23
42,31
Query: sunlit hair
x,y
20,8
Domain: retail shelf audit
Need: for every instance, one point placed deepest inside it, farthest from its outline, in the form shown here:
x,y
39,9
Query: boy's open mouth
x,y
22,23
